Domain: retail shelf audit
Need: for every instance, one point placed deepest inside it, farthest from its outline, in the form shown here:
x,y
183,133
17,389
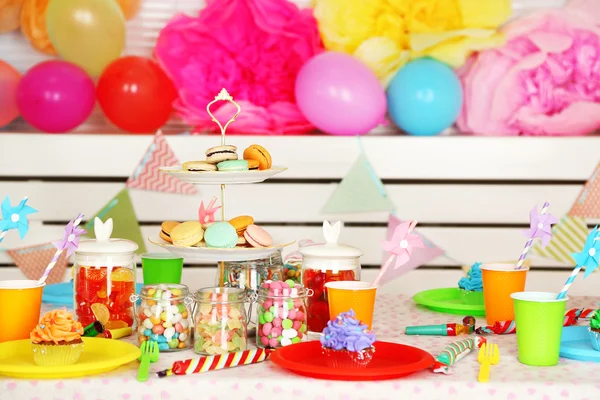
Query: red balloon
x,y
136,95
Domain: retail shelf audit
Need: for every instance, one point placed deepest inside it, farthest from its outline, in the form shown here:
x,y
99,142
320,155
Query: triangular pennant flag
x,y
361,190
587,204
147,176
568,236
33,260
125,223
419,256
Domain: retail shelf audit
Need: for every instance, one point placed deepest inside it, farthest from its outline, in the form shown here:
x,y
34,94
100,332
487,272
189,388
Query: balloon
x,y
340,95
89,33
10,15
136,95
33,25
9,81
425,97
55,96
129,7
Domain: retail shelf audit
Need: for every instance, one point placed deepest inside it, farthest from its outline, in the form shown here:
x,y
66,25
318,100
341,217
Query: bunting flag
x,y
33,260
419,256
126,225
568,236
587,204
147,176
361,190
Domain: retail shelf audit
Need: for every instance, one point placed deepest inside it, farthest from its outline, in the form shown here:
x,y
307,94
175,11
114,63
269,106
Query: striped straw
x,y
58,253
571,279
529,242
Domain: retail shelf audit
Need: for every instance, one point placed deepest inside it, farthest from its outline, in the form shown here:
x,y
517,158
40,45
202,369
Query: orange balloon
x,y
129,8
33,25
10,14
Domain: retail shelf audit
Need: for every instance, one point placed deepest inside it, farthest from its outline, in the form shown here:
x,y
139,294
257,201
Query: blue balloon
x,y
425,97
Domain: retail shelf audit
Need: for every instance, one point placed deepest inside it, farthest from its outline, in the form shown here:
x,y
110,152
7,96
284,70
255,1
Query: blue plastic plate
x,y
575,344
61,294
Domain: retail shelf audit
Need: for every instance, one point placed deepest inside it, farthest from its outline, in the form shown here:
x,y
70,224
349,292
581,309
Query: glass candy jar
x,y
165,316
250,274
104,279
281,314
324,263
220,324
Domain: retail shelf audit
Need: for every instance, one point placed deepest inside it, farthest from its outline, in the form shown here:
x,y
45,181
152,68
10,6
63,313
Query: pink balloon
x,y
9,81
56,96
340,95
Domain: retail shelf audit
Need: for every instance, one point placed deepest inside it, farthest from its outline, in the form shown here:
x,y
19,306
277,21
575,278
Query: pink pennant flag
x,y
147,176
419,255
587,204
32,261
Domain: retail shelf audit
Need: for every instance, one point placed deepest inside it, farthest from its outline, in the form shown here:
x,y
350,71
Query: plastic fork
x,y
149,355
489,354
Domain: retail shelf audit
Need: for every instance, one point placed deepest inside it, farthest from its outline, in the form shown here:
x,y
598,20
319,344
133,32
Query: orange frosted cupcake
x,y
56,340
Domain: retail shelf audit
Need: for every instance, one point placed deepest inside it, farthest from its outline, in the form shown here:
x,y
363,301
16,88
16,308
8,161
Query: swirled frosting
x,y
595,321
473,281
347,333
57,326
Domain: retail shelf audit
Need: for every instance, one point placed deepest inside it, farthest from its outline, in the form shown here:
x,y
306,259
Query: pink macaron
x,y
257,236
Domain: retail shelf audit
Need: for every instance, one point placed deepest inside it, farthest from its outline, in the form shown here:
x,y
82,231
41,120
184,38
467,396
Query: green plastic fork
x,y
149,355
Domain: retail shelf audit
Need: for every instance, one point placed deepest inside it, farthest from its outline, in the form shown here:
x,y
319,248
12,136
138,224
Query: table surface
x,y
509,379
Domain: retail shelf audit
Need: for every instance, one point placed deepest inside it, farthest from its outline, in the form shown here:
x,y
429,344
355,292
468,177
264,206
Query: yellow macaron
x,y
187,234
241,223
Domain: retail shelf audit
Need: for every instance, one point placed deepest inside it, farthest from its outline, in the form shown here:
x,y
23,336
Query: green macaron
x,y
233,165
221,235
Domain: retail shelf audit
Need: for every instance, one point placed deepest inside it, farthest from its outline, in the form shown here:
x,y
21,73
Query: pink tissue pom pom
x,y
545,81
252,48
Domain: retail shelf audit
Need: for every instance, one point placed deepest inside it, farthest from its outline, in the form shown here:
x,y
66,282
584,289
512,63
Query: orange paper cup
x,y
344,296
499,282
20,304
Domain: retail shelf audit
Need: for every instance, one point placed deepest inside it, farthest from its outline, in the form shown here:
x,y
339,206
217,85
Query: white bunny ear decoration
x,y
103,230
331,233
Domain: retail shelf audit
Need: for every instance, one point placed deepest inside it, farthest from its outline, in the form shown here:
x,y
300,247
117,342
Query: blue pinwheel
x,y
589,258
15,217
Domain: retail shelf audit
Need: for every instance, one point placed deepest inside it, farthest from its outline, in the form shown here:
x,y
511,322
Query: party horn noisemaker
x,y
454,352
466,328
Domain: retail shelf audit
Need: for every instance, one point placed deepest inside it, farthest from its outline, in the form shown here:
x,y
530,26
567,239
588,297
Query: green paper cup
x,y
161,268
539,319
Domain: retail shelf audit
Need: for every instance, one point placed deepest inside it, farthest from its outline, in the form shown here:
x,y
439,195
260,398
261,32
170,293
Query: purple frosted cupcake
x,y
347,343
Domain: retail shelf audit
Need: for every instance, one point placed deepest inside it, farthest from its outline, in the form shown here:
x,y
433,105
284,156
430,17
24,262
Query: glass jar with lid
x,y
104,279
327,262
250,274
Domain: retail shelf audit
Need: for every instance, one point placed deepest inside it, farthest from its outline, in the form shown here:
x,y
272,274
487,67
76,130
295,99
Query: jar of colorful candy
x,y
250,274
292,263
324,263
104,279
165,316
281,314
220,324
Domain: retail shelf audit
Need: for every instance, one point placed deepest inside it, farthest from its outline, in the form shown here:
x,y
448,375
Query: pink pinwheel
x,y
540,226
207,215
70,240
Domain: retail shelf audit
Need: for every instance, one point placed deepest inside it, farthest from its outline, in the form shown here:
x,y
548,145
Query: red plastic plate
x,y
390,361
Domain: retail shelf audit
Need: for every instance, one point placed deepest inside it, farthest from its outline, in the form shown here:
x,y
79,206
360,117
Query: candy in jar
x,y
324,263
292,263
220,324
104,275
164,316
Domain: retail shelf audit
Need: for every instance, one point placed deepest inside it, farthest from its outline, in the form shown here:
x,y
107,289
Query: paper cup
x,y
344,296
499,282
539,319
161,268
20,304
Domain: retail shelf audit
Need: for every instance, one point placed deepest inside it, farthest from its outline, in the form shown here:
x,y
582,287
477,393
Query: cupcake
x,y
56,340
473,281
595,330
347,343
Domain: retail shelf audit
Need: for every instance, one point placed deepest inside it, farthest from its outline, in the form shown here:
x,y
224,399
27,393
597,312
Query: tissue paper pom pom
x,y
10,15
545,81
254,49
33,25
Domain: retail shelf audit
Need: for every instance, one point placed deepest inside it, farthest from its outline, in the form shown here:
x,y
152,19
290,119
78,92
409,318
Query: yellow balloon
x,y
89,33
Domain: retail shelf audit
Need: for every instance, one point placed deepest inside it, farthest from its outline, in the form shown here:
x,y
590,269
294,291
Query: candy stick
x,y
212,363
454,352
529,242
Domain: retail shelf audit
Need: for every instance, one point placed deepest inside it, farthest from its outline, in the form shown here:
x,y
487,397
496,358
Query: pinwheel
x,y
589,258
540,227
207,215
70,242
15,217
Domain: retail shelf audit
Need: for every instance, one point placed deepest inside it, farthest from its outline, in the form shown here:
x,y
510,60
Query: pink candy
x,y
296,325
266,328
158,329
273,342
277,322
275,332
264,340
292,314
178,327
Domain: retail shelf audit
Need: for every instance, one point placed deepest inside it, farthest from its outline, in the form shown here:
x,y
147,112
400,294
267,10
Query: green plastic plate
x,y
452,301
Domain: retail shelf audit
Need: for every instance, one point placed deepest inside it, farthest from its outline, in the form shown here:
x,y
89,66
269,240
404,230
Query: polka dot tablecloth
x,y
509,379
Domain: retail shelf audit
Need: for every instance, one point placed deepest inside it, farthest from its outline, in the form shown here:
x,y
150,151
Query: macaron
x,y
233,165
187,234
198,166
241,223
215,155
257,236
253,164
166,228
241,241
221,235
260,154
